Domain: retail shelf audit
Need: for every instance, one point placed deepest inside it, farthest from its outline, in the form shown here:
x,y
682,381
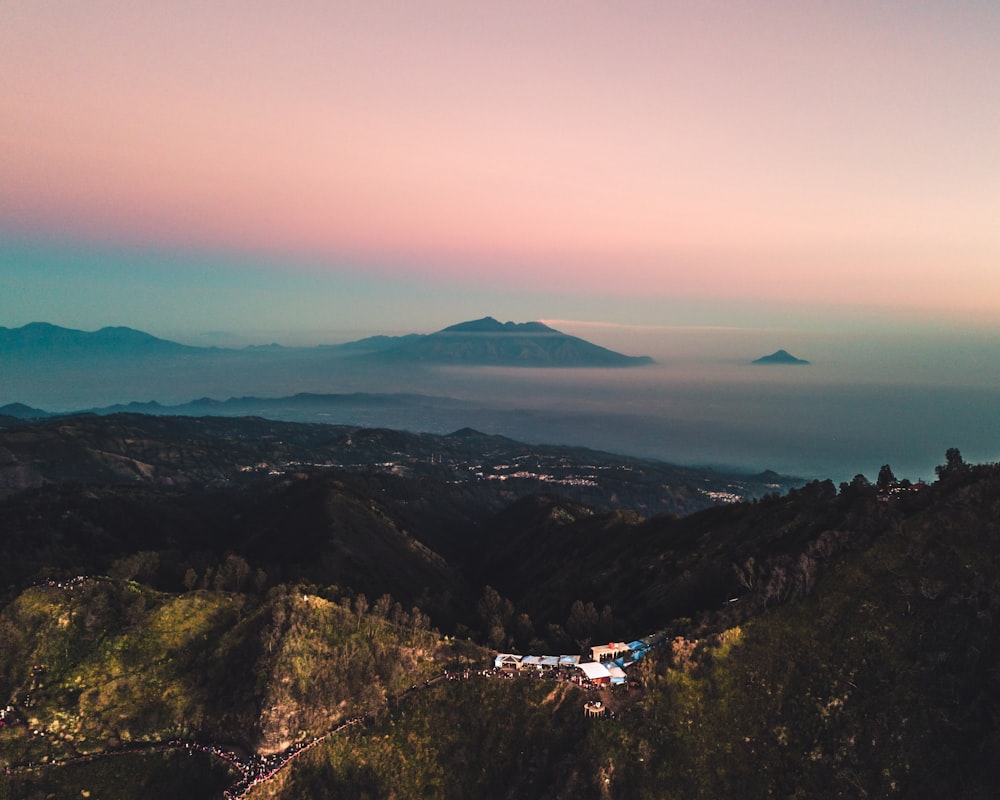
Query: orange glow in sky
x,y
793,152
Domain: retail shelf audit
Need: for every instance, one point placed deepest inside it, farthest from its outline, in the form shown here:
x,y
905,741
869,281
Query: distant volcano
x,y
780,357
489,342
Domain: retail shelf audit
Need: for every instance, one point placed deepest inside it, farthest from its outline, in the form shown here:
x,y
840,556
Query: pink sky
x,y
801,152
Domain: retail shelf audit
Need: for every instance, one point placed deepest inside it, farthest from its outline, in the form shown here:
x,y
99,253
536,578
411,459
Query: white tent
x,y
598,673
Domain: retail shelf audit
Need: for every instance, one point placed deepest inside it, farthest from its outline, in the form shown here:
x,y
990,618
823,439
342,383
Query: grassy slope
x,y
125,665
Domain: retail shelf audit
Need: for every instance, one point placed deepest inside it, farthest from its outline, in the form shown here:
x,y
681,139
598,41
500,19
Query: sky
x,y
307,171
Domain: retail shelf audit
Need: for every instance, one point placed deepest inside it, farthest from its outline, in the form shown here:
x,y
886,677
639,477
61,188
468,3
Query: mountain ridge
x,y
493,325
482,342
113,340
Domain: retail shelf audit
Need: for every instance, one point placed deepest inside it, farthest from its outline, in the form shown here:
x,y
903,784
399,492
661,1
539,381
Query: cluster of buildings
x,y
605,665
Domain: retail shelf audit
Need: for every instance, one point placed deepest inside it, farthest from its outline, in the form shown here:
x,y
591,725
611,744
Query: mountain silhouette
x,y
780,357
489,342
45,339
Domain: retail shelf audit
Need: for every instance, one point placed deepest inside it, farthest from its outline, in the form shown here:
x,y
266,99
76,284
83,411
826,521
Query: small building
x,y
569,661
507,661
617,675
609,651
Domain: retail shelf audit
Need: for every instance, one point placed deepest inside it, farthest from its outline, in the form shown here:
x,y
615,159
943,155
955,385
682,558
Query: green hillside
x,y
100,664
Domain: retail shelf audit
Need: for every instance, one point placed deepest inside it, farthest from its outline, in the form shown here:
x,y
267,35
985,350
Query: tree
x,y
190,578
496,636
398,616
858,483
954,464
747,574
496,613
524,630
360,607
419,620
606,624
582,623
557,637
886,480
231,574
382,606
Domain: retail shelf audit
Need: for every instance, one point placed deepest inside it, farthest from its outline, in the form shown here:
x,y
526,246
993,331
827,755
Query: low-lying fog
x,y
865,399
